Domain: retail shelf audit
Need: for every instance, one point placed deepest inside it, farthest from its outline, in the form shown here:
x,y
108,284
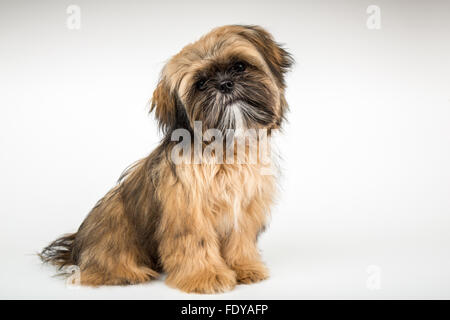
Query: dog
x,y
197,222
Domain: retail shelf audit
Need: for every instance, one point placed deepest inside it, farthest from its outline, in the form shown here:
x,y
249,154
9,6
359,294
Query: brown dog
x,y
198,222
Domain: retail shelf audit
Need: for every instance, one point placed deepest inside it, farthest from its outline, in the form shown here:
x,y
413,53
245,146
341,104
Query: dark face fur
x,y
231,94
232,78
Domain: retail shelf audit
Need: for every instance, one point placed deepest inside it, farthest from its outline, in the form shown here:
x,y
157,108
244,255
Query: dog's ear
x,y
277,58
164,103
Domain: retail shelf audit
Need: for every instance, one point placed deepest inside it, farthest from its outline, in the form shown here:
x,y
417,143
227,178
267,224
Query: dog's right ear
x,y
164,103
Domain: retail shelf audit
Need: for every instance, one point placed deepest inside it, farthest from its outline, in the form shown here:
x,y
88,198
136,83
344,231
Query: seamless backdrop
x,y
364,203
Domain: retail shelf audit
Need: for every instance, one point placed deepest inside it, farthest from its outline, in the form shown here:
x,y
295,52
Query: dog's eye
x,y
201,84
239,66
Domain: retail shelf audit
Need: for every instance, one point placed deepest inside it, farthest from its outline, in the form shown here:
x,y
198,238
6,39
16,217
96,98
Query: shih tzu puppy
x,y
197,221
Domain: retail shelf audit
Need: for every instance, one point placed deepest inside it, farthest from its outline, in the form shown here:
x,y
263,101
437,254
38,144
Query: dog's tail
x,y
60,251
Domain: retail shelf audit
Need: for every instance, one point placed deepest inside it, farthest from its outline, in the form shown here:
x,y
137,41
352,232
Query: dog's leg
x,y
241,254
240,247
108,251
189,249
115,270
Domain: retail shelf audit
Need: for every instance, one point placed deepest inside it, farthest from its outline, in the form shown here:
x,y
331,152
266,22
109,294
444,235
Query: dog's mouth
x,y
235,103
235,117
237,113
243,114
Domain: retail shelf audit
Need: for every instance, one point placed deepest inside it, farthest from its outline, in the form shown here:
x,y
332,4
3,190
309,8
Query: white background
x,y
366,150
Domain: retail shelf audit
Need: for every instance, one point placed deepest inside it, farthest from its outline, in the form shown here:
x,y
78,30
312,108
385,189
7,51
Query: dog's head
x,y
231,78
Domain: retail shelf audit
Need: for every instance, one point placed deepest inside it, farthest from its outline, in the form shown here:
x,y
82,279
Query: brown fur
x,y
199,223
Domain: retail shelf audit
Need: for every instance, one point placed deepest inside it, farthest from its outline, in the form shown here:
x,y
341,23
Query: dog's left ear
x,y
277,58
164,103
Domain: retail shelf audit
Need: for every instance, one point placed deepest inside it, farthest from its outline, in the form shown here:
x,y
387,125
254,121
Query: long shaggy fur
x,y
59,252
199,223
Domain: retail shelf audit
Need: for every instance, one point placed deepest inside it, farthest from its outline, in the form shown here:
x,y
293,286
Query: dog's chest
x,y
227,195
232,190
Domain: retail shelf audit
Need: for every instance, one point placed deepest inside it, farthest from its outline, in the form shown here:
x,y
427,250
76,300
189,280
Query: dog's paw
x,y
251,272
207,281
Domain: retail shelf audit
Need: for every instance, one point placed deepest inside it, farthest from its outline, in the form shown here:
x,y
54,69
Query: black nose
x,y
226,86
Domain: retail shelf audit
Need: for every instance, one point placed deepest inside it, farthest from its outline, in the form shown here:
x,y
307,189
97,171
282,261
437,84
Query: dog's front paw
x,y
251,272
206,281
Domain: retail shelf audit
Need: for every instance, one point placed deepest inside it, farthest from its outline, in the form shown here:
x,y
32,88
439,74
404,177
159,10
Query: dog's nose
x,y
226,86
